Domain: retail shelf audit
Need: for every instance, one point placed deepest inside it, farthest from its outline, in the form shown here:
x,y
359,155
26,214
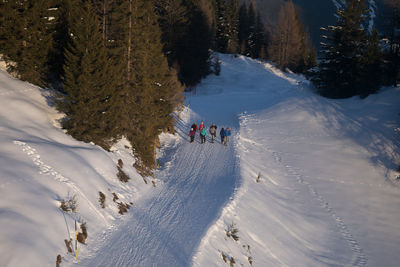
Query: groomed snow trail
x,y
194,184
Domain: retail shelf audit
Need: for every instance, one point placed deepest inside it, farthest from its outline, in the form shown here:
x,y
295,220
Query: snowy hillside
x,y
305,181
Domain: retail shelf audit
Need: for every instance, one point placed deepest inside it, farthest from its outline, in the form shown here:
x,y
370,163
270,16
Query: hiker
x,y
203,134
213,132
222,134
194,126
226,135
201,126
192,134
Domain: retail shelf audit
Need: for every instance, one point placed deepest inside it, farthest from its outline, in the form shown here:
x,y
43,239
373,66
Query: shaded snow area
x,y
304,181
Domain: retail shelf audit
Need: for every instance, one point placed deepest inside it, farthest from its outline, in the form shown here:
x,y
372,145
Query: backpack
x,y
212,129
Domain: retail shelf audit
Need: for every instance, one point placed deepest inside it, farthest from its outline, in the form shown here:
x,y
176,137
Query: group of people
x,y
224,133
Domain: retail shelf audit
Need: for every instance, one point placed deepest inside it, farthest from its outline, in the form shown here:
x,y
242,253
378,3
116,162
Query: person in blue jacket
x,y
203,134
226,135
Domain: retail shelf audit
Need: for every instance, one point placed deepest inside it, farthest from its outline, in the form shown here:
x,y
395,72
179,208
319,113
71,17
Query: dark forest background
x,y
119,67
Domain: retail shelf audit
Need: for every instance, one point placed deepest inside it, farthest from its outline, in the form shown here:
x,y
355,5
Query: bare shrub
x,y
82,236
58,260
232,231
123,207
224,257
68,244
64,206
250,259
122,176
143,170
232,262
154,183
115,197
102,199
84,230
69,205
120,163
258,177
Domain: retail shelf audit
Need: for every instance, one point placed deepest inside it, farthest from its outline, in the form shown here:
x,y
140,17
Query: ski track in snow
x,y
169,225
359,258
45,169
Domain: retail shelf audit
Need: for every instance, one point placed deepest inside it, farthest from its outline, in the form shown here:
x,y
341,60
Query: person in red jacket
x,y
201,126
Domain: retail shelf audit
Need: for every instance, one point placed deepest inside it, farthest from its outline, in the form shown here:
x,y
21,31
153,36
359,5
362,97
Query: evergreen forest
x,y
119,67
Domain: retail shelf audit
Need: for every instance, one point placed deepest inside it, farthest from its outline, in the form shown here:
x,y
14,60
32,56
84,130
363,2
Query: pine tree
x,y
155,84
227,26
370,74
173,20
346,54
259,39
150,89
11,29
392,53
252,34
221,31
27,39
243,29
232,27
194,49
103,10
87,80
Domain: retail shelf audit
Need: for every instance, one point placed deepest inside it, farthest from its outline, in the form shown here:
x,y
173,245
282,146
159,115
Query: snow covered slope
x,y
306,181
39,167
317,187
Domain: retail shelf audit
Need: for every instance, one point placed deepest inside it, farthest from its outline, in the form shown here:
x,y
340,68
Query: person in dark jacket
x,y
213,132
222,134
194,126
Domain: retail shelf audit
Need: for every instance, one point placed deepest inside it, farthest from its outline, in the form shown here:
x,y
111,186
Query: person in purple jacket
x,y
192,134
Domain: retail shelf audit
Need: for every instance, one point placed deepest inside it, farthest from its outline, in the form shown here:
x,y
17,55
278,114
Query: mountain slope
x,y
305,180
317,14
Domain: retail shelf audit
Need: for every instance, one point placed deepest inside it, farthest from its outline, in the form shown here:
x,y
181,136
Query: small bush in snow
x,y
224,257
68,244
232,262
120,163
250,258
82,236
232,231
123,207
115,197
102,199
122,176
258,177
143,170
69,205
58,260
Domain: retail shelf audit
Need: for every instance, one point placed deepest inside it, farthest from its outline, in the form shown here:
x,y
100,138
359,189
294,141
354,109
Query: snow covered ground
x,y
305,180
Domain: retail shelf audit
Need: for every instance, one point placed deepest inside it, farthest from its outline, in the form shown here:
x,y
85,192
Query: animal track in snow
x,y
359,258
48,170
